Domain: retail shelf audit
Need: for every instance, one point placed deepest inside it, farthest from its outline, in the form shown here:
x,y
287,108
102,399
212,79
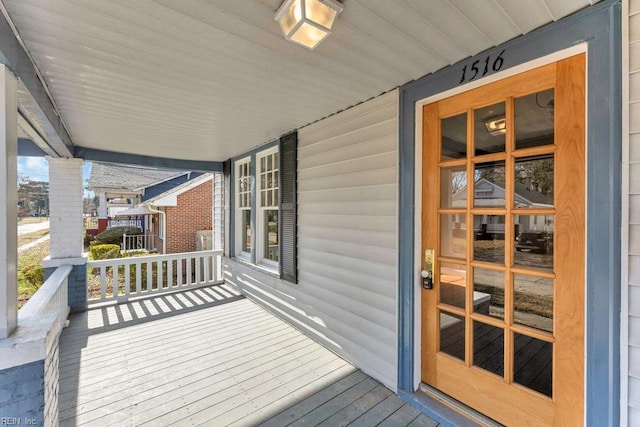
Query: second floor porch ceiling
x,y
209,79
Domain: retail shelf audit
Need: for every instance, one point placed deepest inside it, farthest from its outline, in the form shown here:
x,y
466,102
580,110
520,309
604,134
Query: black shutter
x,y
288,208
228,221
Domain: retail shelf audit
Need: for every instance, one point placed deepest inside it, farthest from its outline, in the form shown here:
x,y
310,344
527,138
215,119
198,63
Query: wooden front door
x,y
503,236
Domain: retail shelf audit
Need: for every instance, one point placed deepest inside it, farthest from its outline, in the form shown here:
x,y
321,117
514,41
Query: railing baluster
x,y
127,280
116,280
197,281
179,277
214,270
149,276
206,277
138,266
103,282
160,274
189,272
169,273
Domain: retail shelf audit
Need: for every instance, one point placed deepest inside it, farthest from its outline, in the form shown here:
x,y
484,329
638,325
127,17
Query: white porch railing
x,y
51,298
124,223
134,242
120,279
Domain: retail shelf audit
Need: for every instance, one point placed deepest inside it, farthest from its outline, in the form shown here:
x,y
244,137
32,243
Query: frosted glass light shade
x,y
307,22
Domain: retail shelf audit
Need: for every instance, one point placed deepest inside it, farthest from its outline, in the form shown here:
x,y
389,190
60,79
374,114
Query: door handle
x,y
427,279
427,273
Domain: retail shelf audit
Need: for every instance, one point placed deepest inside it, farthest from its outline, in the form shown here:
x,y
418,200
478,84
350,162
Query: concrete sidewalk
x,y
30,228
34,243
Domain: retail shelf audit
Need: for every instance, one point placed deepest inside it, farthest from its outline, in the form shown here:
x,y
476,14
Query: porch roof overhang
x,y
139,210
114,192
180,84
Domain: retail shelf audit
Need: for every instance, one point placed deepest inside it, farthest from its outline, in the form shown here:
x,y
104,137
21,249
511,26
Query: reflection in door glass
x,y
490,127
533,301
533,363
488,347
488,191
453,241
453,187
454,137
534,241
488,292
453,282
534,182
452,335
488,238
534,119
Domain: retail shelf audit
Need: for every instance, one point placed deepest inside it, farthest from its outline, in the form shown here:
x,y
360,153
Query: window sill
x,y
263,268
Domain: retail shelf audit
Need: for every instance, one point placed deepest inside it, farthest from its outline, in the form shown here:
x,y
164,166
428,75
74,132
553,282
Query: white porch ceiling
x,y
209,79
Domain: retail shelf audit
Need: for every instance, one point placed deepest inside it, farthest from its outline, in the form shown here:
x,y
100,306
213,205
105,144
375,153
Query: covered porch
x,y
210,356
212,86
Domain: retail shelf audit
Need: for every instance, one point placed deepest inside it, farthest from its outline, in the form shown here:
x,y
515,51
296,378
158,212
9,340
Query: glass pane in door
x,y
534,119
534,241
454,137
452,335
488,347
533,301
534,182
453,240
490,127
488,238
453,283
453,187
533,363
489,190
488,292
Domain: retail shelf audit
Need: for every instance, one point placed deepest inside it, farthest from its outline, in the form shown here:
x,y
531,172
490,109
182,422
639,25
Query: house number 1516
x,y
478,64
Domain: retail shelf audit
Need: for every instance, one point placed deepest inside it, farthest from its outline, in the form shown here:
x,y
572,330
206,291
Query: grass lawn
x,y
23,239
32,219
27,259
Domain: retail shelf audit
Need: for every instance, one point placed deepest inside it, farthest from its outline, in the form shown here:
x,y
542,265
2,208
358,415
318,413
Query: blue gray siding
x,y
346,296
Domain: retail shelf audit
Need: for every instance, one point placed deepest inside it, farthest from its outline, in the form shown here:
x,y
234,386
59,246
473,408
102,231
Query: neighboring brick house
x,y
121,187
187,210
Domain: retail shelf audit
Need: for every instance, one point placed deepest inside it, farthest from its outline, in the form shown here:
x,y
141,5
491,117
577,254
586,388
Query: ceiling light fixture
x,y
496,125
307,22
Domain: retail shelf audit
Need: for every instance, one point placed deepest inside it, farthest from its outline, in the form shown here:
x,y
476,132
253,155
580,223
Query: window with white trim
x,y
267,215
243,208
264,211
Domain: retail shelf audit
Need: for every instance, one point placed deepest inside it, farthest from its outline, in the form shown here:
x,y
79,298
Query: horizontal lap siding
x,y
346,296
347,227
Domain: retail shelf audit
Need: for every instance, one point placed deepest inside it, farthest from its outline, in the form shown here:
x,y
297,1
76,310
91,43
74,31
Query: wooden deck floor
x,y
211,357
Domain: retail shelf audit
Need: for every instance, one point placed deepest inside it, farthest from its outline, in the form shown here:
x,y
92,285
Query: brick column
x,y
29,373
65,206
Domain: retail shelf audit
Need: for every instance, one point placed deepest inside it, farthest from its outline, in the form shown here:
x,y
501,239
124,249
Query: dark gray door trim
x,y
600,27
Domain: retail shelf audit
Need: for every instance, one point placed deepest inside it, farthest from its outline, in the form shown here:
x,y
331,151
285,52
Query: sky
x,y
37,169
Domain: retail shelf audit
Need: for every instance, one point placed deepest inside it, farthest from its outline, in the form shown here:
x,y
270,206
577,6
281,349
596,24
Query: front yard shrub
x,y
34,274
113,235
104,251
137,253
88,239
